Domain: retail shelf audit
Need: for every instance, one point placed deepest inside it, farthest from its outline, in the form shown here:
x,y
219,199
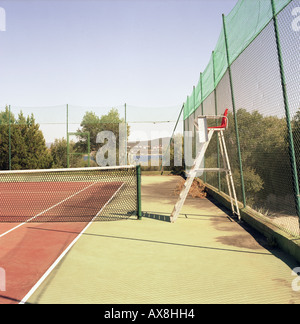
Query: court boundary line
x,y
56,262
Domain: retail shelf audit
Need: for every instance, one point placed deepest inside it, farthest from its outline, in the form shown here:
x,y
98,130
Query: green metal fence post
x,y
234,114
194,129
202,113
216,112
125,107
287,114
67,126
183,107
187,134
172,139
201,90
184,130
89,149
139,191
9,137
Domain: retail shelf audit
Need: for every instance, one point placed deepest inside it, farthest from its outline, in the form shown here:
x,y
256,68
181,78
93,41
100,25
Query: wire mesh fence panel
x,y
289,35
263,128
52,120
70,136
211,155
152,131
224,101
256,76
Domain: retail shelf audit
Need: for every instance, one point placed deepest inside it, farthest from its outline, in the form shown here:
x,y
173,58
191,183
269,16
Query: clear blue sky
x,y
104,53
142,52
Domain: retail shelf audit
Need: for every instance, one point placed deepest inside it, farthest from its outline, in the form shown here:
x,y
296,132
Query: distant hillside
x,y
149,143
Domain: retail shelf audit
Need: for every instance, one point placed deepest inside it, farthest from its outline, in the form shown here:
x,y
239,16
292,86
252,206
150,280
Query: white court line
x,y
46,274
28,220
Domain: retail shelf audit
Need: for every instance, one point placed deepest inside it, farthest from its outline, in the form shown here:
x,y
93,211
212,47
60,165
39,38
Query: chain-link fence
x,y
254,71
80,136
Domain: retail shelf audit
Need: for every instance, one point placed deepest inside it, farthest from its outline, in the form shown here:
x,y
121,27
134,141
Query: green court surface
x,y
205,257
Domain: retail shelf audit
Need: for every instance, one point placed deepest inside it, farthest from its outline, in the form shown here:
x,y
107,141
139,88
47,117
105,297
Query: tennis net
x,y
69,195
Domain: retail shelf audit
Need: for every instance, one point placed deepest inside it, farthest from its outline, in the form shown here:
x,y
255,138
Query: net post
x,y
139,192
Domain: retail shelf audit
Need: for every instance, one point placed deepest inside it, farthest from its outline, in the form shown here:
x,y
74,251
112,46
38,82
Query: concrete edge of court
x,y
275,235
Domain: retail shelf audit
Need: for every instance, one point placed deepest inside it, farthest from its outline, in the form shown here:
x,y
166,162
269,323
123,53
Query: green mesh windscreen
x,y
259,58
243,24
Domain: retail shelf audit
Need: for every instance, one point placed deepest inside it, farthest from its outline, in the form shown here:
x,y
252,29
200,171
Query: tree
x,y
18,143
59,154
4,138
176,155
93,124
37,154
26,140
89,124
264,151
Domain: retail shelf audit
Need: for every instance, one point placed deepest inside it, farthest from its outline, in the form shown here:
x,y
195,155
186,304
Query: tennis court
x,y
203,258
69,201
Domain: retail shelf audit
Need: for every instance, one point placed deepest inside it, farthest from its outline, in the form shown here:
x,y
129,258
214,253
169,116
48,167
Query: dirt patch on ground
x,y
243,236
197,189
159,187
241,241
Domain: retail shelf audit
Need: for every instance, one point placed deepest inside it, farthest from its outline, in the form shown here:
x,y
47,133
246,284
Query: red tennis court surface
x,y
27,250
53,201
